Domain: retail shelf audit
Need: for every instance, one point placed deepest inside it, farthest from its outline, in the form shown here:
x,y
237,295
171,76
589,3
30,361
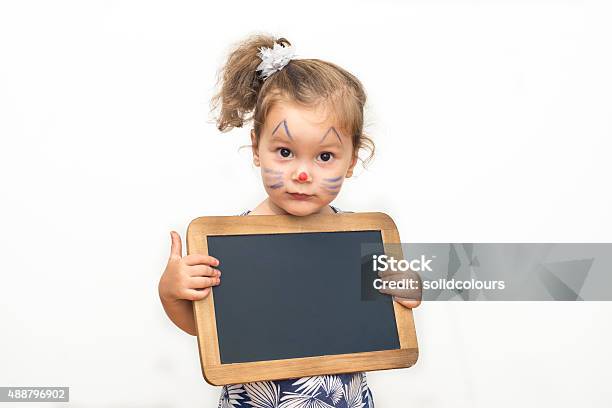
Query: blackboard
x,y
297,295
294,299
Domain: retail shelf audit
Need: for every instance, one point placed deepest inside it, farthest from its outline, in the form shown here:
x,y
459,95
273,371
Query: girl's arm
x,y
184,280
180,311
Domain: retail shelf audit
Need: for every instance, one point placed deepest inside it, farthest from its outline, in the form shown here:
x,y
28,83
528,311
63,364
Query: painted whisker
x,y
267,170
333,179
277,185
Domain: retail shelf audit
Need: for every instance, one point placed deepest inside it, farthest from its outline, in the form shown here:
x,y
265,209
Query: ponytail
x,y
240,83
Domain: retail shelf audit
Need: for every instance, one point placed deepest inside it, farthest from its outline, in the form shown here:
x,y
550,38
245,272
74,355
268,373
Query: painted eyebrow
x,y
329,130
284,123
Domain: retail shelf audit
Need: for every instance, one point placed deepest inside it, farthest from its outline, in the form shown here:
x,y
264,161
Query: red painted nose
x,y
302,176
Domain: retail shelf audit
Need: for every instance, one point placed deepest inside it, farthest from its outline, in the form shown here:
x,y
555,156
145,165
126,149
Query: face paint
x,y
272,173
332,192
277,185
329,130
275,176
334,179
284,123
332,188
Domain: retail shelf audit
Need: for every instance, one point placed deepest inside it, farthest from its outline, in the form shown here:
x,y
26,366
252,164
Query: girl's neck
x,y
267,207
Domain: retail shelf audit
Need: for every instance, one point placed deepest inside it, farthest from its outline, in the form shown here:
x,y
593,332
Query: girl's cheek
x,y
331,185
273,178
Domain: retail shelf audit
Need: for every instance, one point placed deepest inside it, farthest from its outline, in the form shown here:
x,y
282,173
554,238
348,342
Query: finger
x,y
405,294
406,285
411,304
195,294
202,270
200,259
200,282
397,275
176,250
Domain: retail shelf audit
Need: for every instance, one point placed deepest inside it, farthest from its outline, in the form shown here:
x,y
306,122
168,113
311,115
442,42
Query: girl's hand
x,y
408,297
410,304
189,277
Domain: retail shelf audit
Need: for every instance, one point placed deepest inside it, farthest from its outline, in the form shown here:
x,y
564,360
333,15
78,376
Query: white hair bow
x,y
274,59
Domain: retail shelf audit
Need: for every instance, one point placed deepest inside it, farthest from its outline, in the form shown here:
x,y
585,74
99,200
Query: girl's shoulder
x,y
336,210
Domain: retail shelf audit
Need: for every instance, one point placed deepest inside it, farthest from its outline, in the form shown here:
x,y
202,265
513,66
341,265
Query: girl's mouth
x,y
297,196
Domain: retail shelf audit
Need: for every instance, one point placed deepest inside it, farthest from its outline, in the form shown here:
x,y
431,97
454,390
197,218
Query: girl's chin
x,y
301,208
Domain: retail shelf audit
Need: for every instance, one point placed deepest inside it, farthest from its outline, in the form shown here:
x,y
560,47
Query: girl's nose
x,y
302,177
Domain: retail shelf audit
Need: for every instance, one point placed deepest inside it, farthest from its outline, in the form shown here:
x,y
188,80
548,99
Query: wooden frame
x,y
216,373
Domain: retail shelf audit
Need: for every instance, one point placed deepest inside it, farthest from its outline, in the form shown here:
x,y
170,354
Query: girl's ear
x,y
254,148
349,172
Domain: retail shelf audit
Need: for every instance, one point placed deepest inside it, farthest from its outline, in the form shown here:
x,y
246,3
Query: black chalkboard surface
x,y
296,298
297,295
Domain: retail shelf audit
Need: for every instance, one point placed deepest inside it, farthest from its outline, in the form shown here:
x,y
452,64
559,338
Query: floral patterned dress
x,y
339,390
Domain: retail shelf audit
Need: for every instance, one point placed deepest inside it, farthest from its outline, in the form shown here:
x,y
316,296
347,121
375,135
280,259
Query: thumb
x,y
176,250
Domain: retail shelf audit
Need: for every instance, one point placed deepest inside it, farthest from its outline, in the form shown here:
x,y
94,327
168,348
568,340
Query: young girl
x,y
307,131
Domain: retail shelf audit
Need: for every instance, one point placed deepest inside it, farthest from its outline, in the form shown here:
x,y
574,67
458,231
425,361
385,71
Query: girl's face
x,y
304,158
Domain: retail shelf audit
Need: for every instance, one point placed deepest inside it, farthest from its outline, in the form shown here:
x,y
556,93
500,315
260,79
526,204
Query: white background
x,y
492,122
